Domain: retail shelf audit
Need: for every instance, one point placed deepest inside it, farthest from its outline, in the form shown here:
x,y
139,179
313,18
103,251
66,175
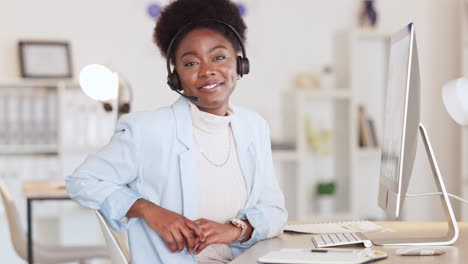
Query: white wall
x,y
284,37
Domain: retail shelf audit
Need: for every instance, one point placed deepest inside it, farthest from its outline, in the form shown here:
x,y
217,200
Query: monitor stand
x,y
452,233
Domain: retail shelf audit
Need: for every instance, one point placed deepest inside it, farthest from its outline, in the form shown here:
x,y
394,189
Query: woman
x,y
192,182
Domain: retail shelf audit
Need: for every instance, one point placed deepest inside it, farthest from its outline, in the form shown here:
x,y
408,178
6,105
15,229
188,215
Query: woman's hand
x,y
216,233
177,231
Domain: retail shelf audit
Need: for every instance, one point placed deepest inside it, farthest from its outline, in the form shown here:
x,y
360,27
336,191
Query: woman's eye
x,y
220,57
189,64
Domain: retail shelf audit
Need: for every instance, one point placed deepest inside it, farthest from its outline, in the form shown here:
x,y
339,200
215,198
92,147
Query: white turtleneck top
x,y
221,184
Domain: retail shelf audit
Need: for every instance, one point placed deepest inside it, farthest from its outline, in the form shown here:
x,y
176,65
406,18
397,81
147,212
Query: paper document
x,y
336,227
321,256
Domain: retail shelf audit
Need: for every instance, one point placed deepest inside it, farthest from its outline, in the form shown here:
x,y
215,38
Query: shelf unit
x,y
325,130
40,149
51,139
361,59
361,63
54,127
284,155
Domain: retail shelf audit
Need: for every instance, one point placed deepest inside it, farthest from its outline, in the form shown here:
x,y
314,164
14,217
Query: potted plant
x,y
325,193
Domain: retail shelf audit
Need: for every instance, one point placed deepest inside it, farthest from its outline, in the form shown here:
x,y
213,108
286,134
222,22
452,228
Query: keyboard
x,y
340,239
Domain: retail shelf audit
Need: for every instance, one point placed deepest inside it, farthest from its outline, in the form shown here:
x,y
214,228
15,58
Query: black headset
x,y
243,66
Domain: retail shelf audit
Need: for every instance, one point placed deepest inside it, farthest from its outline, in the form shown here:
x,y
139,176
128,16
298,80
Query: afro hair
x,y
187,15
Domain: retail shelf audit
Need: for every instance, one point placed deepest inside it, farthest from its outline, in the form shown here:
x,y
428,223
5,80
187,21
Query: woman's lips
x,y
211,87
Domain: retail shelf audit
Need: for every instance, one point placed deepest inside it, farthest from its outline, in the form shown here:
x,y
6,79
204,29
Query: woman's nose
x,y
206,70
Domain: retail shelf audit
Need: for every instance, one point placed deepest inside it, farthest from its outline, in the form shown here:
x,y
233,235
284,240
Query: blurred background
x,y
318,75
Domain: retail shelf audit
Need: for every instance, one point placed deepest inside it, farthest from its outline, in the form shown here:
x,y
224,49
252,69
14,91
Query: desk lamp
x,y
455,97
101,84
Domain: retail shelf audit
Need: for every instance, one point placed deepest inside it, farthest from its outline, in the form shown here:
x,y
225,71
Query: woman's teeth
x,y
210,86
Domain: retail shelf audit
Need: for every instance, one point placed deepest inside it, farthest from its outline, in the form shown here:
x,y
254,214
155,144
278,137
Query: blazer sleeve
x,y
269,215
101,181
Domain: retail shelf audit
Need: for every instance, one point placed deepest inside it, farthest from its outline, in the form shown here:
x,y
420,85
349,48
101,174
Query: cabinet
x,y
327,138
46,130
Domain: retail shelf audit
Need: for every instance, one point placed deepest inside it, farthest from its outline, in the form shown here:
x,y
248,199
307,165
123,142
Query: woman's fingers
x,y
190,239
179,240
170,241
211,233
196,229
176,230
187,234
215,233
203,245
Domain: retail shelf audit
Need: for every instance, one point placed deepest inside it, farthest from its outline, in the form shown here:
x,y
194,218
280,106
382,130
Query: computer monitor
x,y
401,121
401,127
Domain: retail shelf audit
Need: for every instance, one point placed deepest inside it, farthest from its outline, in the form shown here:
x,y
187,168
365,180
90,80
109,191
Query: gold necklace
x,y
212,163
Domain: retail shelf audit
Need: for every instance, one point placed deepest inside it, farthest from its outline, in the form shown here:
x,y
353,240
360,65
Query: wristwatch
x,y
239,223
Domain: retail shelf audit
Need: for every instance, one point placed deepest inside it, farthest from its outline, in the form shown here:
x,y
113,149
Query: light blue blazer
x,y
151,156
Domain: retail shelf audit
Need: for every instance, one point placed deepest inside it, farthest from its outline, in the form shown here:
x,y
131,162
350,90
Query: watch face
x,y
242,224
238,223
235,222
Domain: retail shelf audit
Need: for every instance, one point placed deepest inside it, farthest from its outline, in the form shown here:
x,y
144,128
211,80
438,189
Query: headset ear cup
x,y
173,81
245,66
240,71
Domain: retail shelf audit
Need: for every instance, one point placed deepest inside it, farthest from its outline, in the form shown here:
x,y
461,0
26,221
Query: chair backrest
x,y
18,238
115,242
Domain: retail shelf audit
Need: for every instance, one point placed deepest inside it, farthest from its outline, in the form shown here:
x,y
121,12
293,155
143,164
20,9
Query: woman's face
x,y
206,64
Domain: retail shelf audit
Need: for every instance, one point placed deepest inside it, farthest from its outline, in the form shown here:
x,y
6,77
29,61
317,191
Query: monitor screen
x,y
401,121
395,109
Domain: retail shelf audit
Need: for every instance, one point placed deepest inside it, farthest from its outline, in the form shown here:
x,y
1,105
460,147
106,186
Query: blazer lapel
x,y
189,184
188,176
245,151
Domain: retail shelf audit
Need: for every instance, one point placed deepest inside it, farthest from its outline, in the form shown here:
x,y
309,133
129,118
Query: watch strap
x,y
239,223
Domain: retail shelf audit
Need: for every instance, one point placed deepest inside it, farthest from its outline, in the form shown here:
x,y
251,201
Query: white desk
x,y
40,190
456,254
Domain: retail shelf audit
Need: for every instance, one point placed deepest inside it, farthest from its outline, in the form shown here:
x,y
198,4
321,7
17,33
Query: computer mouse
x,y
419,251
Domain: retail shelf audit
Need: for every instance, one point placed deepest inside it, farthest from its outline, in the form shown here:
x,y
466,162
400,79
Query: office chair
x,y
116,244
44,254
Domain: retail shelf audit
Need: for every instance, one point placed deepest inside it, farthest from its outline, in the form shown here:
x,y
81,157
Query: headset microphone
x,y
191,98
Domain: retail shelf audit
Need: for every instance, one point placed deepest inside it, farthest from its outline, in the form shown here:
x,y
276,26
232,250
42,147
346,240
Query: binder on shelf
x,y
373,133
52,120
30,121
367,133
28,116
39,118
13,125
363,136
26,112
87,124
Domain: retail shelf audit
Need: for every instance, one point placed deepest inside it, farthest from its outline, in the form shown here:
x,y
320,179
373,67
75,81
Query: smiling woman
x,y
206,66
193,182
242,62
